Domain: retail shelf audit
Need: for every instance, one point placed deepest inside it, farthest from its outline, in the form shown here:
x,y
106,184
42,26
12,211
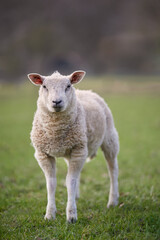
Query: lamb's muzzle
x,y
57,105
72,124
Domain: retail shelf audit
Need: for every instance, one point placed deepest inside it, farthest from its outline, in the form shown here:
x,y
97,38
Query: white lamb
x,y
72,124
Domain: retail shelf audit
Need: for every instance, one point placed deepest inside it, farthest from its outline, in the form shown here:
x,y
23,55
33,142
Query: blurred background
x,y
100,37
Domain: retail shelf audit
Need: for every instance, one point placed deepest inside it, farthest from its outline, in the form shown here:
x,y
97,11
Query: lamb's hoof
x,y
72,215
50,216
112,203
72,220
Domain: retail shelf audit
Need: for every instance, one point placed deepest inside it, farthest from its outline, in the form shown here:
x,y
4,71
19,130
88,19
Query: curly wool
x,y
87,121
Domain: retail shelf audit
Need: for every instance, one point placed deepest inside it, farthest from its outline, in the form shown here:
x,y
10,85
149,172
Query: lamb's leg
x,y
110,149
78,181
113,173
77,188
48,165
74,169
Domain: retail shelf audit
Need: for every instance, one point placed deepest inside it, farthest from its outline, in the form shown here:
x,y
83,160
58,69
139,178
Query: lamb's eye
x,y
68,87
44,86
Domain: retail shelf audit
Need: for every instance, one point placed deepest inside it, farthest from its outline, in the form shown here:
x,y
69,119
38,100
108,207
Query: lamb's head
x,y
56,91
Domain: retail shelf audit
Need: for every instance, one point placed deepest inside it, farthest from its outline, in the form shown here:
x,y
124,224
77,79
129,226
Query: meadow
x,y
135,104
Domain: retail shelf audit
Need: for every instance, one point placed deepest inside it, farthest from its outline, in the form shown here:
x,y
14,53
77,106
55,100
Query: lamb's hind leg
x,y
110,148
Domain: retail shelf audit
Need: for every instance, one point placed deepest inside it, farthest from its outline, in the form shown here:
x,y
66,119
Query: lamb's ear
x,y
77,76
36,78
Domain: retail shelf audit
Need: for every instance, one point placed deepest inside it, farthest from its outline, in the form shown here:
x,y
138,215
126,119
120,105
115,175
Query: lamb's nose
x,y
57,102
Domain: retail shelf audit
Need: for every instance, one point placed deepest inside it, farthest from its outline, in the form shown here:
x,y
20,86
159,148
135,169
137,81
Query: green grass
x,y
22,184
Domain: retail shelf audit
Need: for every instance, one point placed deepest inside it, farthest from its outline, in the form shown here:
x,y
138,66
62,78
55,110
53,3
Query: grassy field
x,y
136,109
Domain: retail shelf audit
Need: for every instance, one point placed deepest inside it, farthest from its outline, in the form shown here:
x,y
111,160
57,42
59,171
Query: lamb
x,y
72,124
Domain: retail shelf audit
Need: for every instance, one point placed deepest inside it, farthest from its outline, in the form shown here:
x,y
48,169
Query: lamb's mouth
x,y
58,109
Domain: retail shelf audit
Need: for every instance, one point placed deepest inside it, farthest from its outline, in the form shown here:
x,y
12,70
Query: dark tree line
x,y
106,36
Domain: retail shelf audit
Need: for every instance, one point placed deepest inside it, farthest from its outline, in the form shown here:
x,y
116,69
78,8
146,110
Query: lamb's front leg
x,y
48,165
78,182
72,182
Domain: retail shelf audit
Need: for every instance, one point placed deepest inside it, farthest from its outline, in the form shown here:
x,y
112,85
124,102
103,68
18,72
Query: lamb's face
x,y
56,91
